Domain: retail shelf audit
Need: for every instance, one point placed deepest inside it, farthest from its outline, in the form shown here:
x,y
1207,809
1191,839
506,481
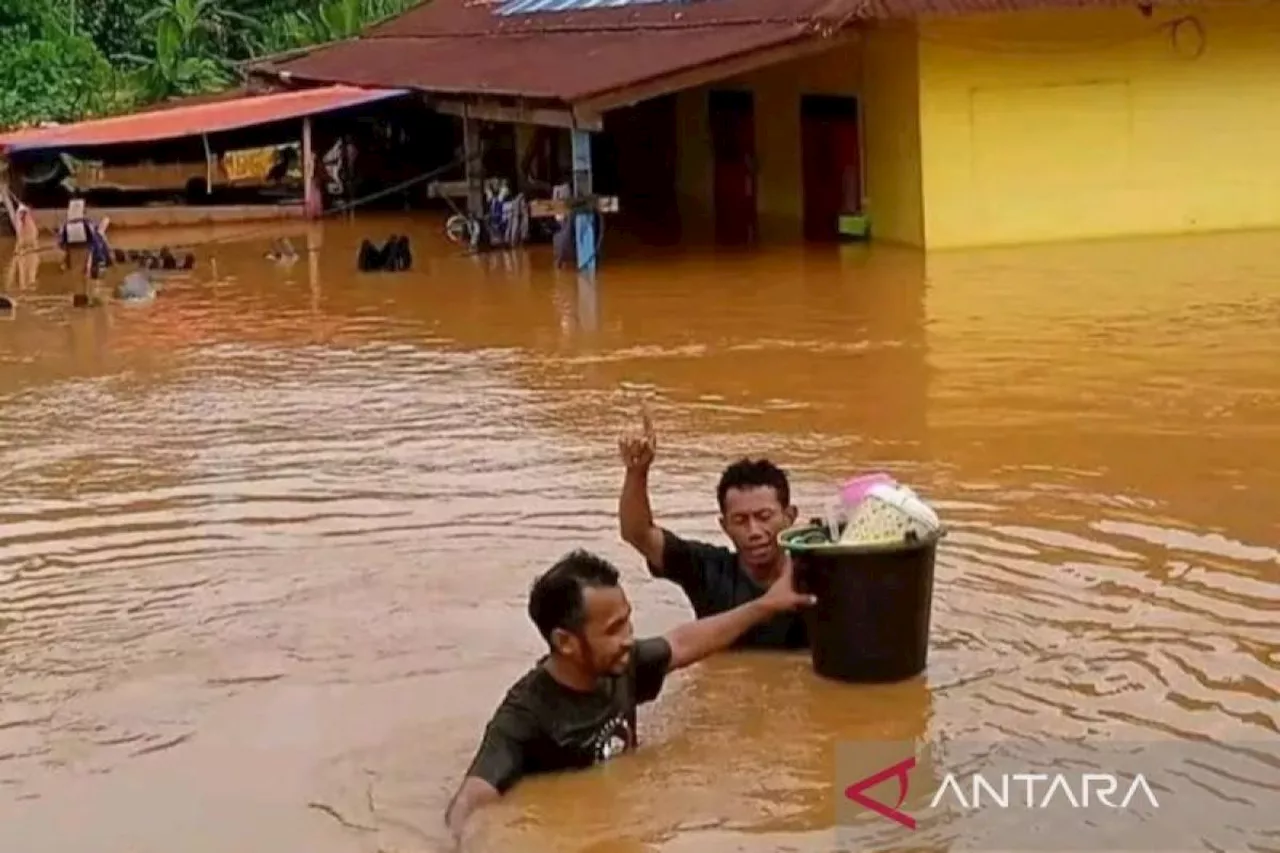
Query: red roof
x,y
477,17
190,120
455,47
524,65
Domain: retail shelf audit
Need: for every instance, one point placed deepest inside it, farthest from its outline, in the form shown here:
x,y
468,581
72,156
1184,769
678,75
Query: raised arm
x,y
635,518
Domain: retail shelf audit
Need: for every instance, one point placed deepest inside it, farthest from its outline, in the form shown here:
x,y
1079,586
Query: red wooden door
x,y
831,163
733,146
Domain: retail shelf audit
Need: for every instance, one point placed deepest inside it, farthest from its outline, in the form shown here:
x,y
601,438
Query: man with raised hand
x,y
755,507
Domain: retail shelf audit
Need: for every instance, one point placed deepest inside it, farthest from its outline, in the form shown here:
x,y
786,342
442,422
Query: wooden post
x,y
584,221
208,164
309,200
313,266
474,168
9,207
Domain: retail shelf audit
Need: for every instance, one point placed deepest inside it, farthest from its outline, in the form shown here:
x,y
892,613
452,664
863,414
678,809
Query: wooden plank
x,y
538,207
541,208
546,117
714,72
447,189
170,216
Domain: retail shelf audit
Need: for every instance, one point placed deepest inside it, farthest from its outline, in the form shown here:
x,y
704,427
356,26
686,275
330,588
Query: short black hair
x,y
753,474
555,599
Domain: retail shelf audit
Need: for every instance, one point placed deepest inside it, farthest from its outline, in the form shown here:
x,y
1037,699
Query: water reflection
x,y
267,540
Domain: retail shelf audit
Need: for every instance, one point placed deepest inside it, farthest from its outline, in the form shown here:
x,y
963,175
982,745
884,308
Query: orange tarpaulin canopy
x,y
194,120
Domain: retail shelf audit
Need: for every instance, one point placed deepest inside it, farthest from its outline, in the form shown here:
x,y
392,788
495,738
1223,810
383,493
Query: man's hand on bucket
x,y
637,450
781,595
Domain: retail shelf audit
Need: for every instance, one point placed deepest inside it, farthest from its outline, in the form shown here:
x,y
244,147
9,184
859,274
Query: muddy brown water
x,y
264,543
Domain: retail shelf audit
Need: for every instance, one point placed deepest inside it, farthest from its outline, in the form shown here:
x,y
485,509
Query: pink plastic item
x,y
853,491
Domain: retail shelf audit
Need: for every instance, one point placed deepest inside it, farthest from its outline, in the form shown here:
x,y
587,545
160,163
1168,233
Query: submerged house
x,y
235,157
947,123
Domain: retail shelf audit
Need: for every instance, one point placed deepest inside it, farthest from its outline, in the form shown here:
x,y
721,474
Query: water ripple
x,y
268,543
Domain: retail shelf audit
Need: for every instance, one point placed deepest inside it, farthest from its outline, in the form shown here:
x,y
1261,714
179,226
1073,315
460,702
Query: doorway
x,y
637,162
831,156
733,147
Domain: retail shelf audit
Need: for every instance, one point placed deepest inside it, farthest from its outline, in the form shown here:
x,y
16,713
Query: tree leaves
x,y
117,53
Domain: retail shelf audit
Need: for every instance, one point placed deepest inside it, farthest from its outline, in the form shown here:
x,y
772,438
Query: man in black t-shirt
x,y
755,506
577,706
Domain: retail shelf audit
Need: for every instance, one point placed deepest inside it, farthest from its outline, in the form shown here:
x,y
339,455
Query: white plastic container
x,y
888,513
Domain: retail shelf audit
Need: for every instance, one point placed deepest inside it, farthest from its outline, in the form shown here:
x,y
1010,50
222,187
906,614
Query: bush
x,y
47,76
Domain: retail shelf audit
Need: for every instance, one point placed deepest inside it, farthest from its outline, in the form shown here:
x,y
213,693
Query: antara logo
x,y
855,792
1042,791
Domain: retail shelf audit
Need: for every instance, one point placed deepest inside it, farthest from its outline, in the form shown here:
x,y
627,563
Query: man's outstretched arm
x,y
694,641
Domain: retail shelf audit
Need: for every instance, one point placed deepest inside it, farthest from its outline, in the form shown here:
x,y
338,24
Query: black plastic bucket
x,y
875,602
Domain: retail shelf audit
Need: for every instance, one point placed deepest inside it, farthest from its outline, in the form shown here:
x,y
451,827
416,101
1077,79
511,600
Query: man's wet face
x,y
753,517
607,629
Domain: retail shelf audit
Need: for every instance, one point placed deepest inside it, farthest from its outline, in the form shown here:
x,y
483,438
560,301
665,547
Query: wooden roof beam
x,y
489,110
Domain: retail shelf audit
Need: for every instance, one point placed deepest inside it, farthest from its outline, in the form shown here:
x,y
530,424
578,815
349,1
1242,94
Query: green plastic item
x,y
855,226
812,538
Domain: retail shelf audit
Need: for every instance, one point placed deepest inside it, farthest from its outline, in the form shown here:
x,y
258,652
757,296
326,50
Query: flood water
x,y
265,542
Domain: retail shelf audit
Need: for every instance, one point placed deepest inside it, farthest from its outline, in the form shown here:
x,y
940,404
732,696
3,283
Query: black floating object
x,y
391,254
369,259
188,261
133,255
167,260
82,300
121,256
7,304
383,255
401,256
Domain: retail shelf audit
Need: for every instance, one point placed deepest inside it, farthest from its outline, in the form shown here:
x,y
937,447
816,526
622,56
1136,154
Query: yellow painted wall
x,y
881,71
891,135
1099,123
777,91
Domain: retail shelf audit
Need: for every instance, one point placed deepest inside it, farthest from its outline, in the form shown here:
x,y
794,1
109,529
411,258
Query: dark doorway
x,y
831,162
733,147
636,160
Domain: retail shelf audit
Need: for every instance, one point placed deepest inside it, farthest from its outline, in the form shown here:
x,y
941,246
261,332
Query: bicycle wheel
x,y
459,228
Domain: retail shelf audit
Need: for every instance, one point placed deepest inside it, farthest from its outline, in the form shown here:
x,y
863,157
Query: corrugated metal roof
x,y
463,47
191,120
534,7
476,17
555,66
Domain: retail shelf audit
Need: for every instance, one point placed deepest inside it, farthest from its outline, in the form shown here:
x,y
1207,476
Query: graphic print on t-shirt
x,y
611,739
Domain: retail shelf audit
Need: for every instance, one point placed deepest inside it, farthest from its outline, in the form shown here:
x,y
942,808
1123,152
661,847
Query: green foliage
x,y
64,60
192,39
328,20
113,25
53,77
